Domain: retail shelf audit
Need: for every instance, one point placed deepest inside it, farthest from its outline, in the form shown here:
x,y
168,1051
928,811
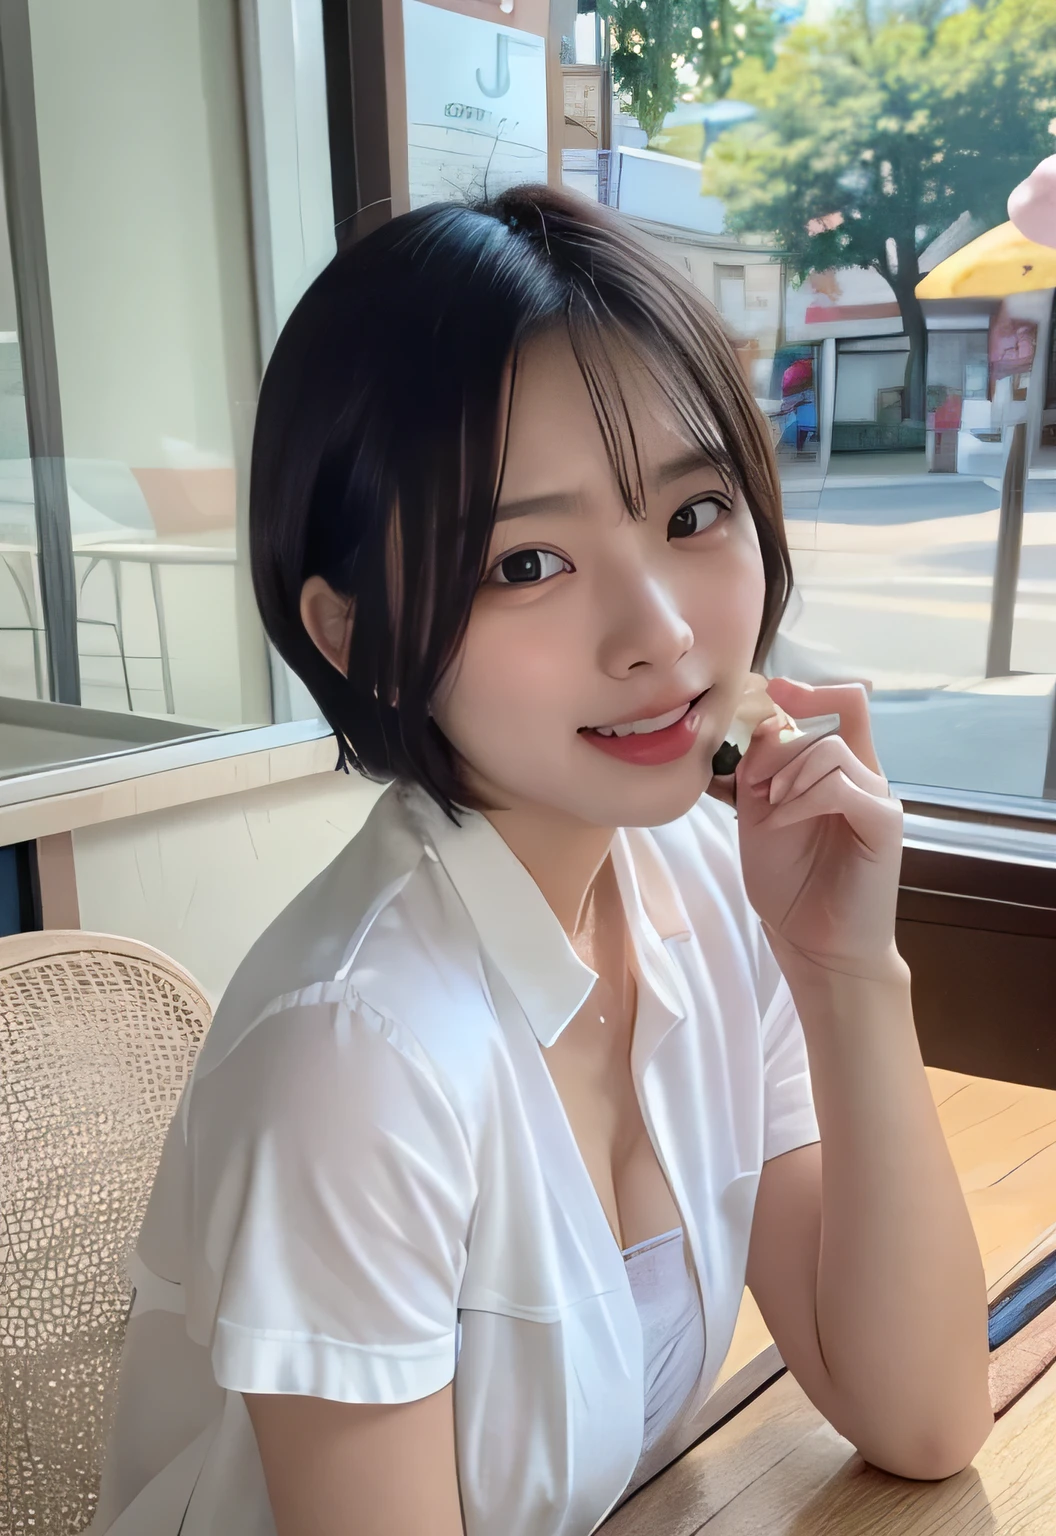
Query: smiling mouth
x,y
645,727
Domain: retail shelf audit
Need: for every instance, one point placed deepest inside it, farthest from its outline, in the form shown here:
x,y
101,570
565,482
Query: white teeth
x,y
643,727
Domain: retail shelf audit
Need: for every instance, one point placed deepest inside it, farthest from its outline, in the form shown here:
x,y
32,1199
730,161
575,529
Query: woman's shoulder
x,y
374,935
359,1070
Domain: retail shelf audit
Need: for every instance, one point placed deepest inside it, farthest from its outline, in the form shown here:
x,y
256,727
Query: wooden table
x,y
777,1468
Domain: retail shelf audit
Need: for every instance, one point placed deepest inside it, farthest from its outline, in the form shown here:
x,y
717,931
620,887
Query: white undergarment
x,y
665,1294
668,1303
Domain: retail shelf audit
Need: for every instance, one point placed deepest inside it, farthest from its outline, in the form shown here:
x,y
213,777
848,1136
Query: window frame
x,y
36,346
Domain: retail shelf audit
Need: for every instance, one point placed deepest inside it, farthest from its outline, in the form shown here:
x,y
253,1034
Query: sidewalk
x,y
895,583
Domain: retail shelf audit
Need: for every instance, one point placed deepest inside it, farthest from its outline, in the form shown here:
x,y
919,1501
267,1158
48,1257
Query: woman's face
x,y
590,618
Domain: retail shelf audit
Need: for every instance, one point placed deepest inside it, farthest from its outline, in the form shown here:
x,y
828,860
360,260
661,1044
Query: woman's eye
x,y
697,517
528,566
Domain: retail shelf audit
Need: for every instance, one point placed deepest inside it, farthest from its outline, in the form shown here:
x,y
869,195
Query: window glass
x,y
820,173
143,179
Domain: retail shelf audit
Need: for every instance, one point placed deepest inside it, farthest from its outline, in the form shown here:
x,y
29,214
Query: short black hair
x,y
380,434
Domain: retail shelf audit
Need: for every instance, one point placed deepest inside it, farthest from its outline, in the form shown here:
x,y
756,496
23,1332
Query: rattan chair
x,y
97,1038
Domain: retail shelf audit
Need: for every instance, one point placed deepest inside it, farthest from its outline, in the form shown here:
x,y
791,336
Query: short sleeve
x,y
789,1119
331,1192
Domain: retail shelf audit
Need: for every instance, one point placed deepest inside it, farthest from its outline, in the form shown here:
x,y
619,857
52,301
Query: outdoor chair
x,y
97,1038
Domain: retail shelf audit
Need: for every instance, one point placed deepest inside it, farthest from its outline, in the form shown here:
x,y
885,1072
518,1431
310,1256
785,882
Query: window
x,y
914,420
147,229
140,287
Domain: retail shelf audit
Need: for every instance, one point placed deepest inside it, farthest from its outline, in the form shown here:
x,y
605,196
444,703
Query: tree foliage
x,y
873,136
654,39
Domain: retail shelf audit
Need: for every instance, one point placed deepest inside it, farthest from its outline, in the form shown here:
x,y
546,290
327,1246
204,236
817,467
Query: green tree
x,y
653,39
874,134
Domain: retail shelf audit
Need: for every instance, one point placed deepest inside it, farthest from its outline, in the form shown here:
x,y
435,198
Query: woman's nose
x,y
643,623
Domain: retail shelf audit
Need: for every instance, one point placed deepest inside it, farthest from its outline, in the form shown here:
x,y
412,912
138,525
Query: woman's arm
x,y
863,1258
891,1314
333,1210
358,1469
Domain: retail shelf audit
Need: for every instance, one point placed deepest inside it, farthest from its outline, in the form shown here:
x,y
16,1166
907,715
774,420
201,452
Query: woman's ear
x,y
327,616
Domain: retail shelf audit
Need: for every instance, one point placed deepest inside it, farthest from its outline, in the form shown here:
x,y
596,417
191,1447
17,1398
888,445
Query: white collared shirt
x,y
371,1171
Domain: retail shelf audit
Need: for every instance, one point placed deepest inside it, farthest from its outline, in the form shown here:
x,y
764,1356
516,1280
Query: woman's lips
x,y
652,747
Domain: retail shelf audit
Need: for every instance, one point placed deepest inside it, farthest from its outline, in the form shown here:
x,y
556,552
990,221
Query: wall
x,y
757,325
529,15
666,191
858,377
202,881
850,301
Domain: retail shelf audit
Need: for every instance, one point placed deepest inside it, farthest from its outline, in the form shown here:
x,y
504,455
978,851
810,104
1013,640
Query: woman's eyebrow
x,y
691,461
548,501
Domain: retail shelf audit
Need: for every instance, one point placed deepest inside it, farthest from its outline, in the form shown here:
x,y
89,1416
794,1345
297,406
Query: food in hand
x,y
756,706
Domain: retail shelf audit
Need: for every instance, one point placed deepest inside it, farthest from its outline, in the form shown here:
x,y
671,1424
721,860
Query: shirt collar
x,y
519,929
655,885
655,914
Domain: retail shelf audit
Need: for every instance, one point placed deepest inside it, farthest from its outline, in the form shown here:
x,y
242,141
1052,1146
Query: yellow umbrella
x,y
998,263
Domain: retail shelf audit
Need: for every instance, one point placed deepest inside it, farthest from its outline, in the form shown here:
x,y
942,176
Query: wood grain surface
x,y
777,1468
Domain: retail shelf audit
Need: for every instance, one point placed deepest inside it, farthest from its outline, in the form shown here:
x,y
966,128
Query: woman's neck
x,y
562,854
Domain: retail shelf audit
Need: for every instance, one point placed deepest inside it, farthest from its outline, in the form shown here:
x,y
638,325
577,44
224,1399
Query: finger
x,y
815,762
848,700
875,821
767,753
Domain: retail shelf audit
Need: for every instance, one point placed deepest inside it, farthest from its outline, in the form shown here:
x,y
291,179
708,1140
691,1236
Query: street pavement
x,y
894,585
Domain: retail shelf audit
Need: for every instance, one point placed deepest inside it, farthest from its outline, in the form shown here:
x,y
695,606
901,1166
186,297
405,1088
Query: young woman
x,y
497,1119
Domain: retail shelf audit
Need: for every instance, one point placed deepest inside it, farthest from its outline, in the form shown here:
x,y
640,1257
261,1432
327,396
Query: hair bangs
x,y
607,353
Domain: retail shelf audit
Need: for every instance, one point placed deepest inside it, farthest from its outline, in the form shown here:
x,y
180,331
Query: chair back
x,y
97,1038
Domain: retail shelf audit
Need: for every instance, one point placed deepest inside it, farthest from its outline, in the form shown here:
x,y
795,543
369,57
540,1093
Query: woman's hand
x,y
820,837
